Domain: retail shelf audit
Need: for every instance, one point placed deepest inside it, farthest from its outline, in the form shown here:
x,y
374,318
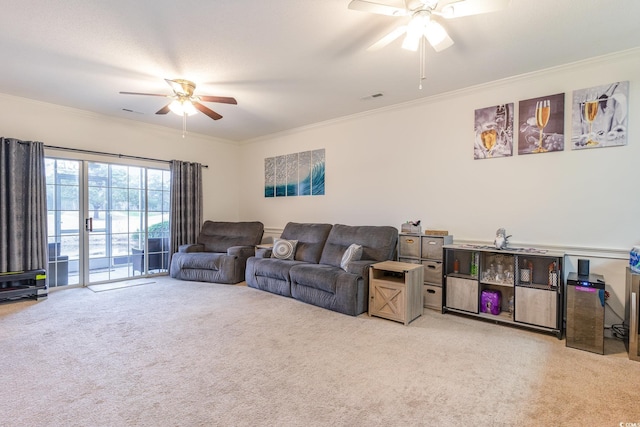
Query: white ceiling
x,y
289,63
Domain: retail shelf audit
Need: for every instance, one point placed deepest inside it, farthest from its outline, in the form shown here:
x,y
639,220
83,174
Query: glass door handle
x,y
88,224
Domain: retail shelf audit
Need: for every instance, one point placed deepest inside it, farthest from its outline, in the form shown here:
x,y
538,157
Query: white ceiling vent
x,y
373,96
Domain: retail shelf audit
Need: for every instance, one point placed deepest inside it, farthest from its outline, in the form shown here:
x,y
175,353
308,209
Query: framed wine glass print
x,y
541,124
599,117
493,132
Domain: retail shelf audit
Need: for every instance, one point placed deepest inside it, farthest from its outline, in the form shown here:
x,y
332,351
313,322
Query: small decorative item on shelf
x,y
525,273
456,266
501,240
508,275
499,269
492,273
553,275
473,269
411,227
490,301
500,273
436,232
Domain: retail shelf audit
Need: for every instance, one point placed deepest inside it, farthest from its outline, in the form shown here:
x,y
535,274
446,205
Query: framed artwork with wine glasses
x,y
493,132
599,117
541,124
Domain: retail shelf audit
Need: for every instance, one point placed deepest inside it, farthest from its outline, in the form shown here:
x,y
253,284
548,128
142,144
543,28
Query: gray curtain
x,y
186,203
23,206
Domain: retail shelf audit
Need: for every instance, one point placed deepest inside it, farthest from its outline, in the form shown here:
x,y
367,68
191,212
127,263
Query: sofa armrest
x,y
264,250
191,248
361,268
241,251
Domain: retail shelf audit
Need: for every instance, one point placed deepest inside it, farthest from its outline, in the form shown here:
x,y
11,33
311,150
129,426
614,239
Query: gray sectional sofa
x,y
220,254
315,274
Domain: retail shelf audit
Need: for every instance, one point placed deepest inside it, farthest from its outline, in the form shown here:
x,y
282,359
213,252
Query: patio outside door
x,y
109,221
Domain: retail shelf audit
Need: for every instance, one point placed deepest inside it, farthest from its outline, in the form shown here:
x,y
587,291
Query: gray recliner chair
x,y
220,254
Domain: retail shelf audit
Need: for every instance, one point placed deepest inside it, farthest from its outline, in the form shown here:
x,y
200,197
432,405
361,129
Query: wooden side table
x,y
395,290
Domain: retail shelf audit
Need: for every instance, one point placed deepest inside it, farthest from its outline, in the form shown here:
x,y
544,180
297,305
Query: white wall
x,y
415,161
60,126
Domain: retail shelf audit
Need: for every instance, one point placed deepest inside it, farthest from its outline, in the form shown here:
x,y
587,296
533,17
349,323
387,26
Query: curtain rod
x,y
102,153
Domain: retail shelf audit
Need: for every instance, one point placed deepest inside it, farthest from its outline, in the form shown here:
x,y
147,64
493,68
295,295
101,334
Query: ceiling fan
x,y
424,19
184,102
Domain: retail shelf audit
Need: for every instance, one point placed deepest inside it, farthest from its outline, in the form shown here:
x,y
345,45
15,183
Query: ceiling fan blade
x,y
437,36
456,9
206,110
388,38
380,9
138,93
222,99
175,86
164,110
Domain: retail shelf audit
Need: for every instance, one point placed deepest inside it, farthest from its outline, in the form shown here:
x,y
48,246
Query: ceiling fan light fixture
x,y
437,36
411,43
416,27
182,107
448,11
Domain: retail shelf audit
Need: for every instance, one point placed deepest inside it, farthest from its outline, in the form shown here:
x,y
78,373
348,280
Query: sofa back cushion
x,y
311,239
217,236
378,243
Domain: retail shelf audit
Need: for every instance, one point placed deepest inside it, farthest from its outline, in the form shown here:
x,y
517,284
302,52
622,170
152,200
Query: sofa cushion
x,y
329,287
353,253
378,243
317,276
272,267
270,274
218,236
284,249
199,260
310,237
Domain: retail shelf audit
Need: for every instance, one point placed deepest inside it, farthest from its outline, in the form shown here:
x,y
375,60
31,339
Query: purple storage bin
x,y
490,301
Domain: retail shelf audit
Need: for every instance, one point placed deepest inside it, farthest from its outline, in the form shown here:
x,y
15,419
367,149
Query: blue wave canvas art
x,y
298,174
269,177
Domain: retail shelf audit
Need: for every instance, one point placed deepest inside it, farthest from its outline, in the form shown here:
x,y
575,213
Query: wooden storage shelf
x,y
462,276
506,285
504,317
537,286
461,294
426,250
535,303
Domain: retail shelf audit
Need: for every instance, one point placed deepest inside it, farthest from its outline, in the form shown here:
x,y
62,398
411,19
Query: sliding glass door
x,y
110,221
63,221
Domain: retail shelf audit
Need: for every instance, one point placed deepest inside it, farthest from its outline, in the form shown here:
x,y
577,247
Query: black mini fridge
x,y
585,312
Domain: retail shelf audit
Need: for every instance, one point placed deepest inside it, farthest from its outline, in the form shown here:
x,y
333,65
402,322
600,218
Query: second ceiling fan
x,y
424,16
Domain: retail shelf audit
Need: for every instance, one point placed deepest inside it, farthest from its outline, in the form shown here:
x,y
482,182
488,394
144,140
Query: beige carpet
x,y
119,285
197,354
